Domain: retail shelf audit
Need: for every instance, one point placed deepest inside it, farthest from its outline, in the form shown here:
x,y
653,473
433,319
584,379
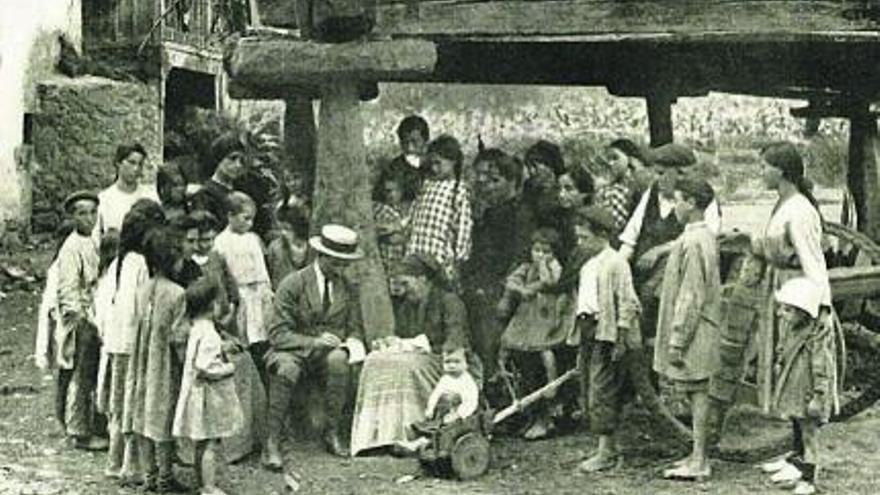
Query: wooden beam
x,y
660,118
854,282
509,17
279,62
343,194
863,173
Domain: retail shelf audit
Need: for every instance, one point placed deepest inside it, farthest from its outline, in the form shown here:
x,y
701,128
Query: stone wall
x,y
77,127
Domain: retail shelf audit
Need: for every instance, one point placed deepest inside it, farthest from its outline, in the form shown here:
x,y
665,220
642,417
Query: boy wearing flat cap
x,y
652,227
78,347
607,326
687,342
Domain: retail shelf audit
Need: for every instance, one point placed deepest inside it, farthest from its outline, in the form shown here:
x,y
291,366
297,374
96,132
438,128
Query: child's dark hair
x,y
508,166
413,123
200,297
166,178
449,148
143,216
107,249
548,236
238,201
699,191
630,149
203,220
161,246
296,218
547,153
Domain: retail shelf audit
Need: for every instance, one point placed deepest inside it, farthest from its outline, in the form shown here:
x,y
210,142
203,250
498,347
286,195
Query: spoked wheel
x,y
470,456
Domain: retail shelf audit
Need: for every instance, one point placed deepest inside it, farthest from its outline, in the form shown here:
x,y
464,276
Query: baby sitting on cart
x,y
456,396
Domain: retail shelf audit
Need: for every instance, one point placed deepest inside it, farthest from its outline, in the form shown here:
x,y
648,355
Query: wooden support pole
x,y
343,195
300,137
863,173
660,118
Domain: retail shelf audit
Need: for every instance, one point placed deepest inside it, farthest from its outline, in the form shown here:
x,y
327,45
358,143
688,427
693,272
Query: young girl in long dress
x,y
208,409
151,393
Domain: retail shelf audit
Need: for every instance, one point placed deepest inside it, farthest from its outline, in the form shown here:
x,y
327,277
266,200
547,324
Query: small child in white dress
x,y
243,252
208,409
456,396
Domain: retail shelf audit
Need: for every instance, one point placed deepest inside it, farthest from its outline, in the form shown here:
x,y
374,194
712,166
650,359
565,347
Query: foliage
x,y
727,130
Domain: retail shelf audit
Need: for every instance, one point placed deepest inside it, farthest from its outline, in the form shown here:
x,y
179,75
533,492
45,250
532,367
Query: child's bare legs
x,y
206,465
116,450
131,464
543,423
549,361
700,407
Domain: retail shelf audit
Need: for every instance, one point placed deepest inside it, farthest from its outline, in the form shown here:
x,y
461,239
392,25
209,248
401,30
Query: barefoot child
x,y
607,312
208,409
687,342
804,377
150,389
243,252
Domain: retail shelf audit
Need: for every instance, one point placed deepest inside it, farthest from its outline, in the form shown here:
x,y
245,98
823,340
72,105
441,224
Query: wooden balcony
x,y
194,24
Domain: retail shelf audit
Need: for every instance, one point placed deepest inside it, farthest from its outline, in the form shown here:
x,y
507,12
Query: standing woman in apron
x,y
790,247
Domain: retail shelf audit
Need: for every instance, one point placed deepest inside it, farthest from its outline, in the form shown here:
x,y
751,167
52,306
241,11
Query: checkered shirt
x,y
441,222
391,220
616,199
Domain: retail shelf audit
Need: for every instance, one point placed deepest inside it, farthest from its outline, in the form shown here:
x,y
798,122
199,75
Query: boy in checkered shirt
x,y
441,215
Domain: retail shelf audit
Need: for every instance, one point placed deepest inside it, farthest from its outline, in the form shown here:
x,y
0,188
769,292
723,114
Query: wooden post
x,y
863,173
343,195
300,137
660,118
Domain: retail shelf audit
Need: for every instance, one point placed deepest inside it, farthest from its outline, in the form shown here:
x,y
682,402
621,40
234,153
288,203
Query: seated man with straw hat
x,y
314,329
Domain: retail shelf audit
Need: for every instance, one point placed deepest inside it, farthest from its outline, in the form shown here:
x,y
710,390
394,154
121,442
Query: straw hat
x,y
337,241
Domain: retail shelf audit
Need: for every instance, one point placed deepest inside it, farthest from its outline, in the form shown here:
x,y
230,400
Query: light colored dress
x,y
150,392
208,407
243,254
537,324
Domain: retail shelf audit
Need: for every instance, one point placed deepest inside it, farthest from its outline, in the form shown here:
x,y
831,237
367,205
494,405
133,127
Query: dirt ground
x,y
34,458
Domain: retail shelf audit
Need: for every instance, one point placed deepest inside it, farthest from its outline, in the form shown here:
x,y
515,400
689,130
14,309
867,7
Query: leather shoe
x,y
334,444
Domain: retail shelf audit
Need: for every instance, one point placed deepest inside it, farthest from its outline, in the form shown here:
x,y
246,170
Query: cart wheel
x,y
470,456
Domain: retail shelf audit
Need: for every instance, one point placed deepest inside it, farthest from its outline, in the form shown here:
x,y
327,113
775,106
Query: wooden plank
x,y
278,62
854,282
505,17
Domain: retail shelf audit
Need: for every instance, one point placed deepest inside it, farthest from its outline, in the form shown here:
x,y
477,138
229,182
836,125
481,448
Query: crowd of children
x,y
147,309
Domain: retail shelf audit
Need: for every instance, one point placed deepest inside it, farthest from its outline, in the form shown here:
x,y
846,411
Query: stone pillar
x,y
343,195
